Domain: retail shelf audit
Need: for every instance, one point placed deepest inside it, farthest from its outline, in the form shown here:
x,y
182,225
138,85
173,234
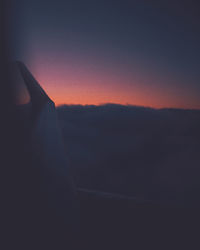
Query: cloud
x,y
137,151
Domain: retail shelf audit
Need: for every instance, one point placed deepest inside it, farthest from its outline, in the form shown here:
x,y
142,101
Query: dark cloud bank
x,y
137,151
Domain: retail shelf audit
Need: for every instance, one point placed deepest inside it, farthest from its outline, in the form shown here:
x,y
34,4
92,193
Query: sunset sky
x,y
129,52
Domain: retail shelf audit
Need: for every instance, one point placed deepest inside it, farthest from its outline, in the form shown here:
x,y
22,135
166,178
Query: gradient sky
x,y
129,52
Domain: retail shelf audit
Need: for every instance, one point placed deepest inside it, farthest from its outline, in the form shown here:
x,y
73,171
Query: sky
x,y
143,53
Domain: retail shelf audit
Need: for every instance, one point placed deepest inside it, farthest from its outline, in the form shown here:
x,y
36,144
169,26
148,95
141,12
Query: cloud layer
x,y
147,153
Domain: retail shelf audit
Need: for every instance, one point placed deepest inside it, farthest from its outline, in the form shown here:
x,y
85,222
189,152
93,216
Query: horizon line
x,y
126,105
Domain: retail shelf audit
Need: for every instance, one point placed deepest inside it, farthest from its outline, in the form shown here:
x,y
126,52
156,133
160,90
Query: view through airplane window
x,y
124,76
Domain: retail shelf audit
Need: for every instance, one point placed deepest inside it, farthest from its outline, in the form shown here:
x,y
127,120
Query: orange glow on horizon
x,y
69,84
98,96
